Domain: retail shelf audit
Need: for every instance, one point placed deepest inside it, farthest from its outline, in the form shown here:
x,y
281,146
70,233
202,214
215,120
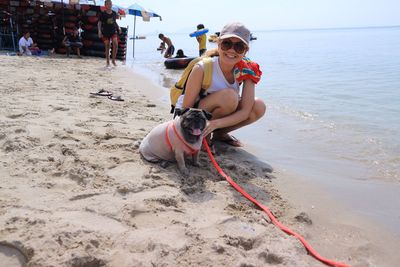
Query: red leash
x,y
270,215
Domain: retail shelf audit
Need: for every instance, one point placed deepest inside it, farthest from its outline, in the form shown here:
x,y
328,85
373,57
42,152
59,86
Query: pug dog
x,y
175,139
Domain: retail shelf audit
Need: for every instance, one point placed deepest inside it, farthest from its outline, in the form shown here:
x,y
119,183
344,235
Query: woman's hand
x,y
211,126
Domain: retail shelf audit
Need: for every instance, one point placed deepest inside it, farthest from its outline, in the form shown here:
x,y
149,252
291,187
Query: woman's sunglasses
x,y
239,47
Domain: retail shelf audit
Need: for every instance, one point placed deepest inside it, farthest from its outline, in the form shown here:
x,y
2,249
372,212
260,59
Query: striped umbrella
x,y
146,14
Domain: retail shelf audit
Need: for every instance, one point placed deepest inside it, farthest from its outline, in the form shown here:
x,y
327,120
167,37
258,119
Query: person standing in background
x,y
170,47
108,31
202,40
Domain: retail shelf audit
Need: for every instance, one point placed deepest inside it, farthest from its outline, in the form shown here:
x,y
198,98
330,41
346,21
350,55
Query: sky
x,y
182,16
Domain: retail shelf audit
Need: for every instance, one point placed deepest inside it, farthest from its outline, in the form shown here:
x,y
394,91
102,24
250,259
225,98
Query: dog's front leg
x,y
180,159
195,158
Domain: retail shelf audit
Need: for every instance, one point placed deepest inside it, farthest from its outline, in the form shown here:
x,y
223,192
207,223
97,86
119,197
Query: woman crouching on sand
x,y
229,109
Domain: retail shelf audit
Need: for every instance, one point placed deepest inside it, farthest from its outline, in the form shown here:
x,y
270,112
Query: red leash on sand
x,y
270,215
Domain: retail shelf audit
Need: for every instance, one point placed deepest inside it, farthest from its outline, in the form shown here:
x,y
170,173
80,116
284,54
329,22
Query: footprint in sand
x,y
167,202
270,258
14,253
303,217
240,242
83,196
58,108
20,130
86,261
15,116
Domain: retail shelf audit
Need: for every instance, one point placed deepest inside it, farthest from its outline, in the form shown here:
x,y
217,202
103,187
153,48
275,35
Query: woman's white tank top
x,y
218,81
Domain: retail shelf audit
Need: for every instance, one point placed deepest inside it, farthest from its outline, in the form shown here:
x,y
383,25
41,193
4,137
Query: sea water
x,y
333,115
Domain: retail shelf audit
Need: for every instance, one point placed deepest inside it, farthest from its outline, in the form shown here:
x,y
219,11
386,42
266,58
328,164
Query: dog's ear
x,y
207,114
184,111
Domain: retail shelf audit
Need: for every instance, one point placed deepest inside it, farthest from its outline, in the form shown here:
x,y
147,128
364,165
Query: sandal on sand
x,y
102,92
229,139
116,98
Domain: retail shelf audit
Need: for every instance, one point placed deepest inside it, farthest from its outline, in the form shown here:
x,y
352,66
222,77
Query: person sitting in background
x,y
170,47
180,54
73,40
27,46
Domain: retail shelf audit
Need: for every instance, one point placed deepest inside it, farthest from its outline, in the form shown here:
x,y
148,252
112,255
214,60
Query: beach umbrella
x,y
146,14
121,11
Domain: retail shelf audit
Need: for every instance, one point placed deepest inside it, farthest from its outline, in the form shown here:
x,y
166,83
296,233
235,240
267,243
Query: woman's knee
x,y
258,111
229,100
225,101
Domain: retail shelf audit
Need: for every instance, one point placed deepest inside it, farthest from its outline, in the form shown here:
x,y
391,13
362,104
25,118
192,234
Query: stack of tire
x,y
69,17
4,5
92,44
27,17
4,22
46,22
122,44
44,35
15,10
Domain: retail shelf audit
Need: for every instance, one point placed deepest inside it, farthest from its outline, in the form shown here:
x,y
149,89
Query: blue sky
x,y
184,15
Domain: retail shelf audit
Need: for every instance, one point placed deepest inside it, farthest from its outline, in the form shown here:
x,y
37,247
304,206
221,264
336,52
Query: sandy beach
x,y
74,190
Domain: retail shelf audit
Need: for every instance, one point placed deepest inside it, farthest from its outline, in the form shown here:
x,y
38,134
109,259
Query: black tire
x,y
93,53
91,36
177,63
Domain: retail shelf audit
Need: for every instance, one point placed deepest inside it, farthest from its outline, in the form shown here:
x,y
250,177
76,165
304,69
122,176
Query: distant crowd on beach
x,y
108,31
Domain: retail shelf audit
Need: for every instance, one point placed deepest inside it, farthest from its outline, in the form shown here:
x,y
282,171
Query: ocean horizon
x,y
190,29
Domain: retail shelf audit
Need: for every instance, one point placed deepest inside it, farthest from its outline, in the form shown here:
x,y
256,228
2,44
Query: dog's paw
x,y
184,172
196,164
164,164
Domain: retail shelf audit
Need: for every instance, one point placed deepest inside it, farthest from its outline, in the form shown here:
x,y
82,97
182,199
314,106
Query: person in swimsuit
x,y
170,47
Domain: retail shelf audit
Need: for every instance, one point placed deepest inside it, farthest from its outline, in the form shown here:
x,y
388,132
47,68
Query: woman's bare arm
x,y
193,86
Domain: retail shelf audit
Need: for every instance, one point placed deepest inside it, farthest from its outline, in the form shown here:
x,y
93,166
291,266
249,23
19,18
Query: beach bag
x,y
178,88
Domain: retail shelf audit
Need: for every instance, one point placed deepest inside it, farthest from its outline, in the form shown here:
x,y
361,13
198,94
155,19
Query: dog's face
x,y
193,122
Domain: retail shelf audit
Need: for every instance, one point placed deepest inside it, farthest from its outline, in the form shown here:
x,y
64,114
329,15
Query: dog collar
x,y
191,149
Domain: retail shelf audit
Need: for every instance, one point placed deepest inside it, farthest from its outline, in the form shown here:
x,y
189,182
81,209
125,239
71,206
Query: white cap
x,y
235,29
